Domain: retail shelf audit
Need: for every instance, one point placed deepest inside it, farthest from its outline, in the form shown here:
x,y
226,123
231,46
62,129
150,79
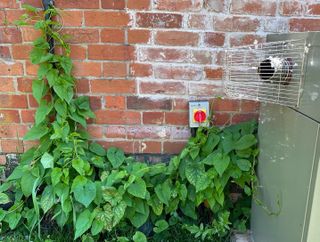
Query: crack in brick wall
x,y
141,61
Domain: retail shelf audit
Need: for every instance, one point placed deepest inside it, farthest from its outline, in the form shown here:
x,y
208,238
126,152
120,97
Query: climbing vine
x,y
96,193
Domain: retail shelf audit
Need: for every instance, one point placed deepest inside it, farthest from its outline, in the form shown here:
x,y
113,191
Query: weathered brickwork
x,y
141,61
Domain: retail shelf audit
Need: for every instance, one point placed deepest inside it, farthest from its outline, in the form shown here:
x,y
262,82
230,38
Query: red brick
x,y
254,7
27,116
113,4
7,84
11,16
107,19
87,69
238,118
82,36
117,117
113,86
181,104
143,103
9,116
298,24
197,21
313,9
82,86
138,36
9,4
246,39
12,146
13,101
95,103
140,70
178,38
139,5
291,8
249,106
147,131
178,73
153,117
203,89
31,69
179,6
168,88
21,52
78,52
177,118
8,69
35,3
159,20
236,24
96,132
215,5
90,4
115,102
12,131
5,52
116,132
115,69
226,105
10,35
24,84
126,146
214,73
112,35
201,57
214,39
167,55
29,34
110,52
180,133
149,147
29,144
3,160
72,18
173,147
221,119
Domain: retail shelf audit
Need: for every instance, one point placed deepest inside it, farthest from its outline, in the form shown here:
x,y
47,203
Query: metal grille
x,y
270,72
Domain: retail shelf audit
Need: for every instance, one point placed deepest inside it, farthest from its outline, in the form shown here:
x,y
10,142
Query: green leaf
x,y
97,149
26,183
164,191
66,64
139,237
194,152
61,107
47,199
97,227
63,92
212,141
221,162
43,110
243,164
118,213
138,219
4,199
47,160
196,175
56,175
245,142
156,205
39,55
52,77
106,217
160,226
36,132
38,88
83,223
78,164
43,70
138,188
115,156
13,219
84,190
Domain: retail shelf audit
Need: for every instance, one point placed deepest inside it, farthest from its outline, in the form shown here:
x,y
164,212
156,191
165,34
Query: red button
x,y
200,116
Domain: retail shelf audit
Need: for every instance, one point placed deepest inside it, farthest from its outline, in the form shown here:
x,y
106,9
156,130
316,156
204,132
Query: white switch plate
x,y
195,106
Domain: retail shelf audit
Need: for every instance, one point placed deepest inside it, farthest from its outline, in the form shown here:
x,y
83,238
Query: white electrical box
x,y
198,114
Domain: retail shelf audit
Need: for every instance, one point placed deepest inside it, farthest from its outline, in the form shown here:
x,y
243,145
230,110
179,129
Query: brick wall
x,y
140,61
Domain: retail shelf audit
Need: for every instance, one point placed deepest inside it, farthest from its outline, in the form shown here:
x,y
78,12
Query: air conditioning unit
x,y
283,74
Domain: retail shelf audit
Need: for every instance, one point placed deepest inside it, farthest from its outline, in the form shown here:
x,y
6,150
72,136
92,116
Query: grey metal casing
x,y
288,167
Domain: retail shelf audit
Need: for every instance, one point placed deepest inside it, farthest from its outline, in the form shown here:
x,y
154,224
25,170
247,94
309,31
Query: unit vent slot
x,y
270,72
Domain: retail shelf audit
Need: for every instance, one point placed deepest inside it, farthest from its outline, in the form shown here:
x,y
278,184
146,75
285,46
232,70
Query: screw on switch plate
x,y
198,114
